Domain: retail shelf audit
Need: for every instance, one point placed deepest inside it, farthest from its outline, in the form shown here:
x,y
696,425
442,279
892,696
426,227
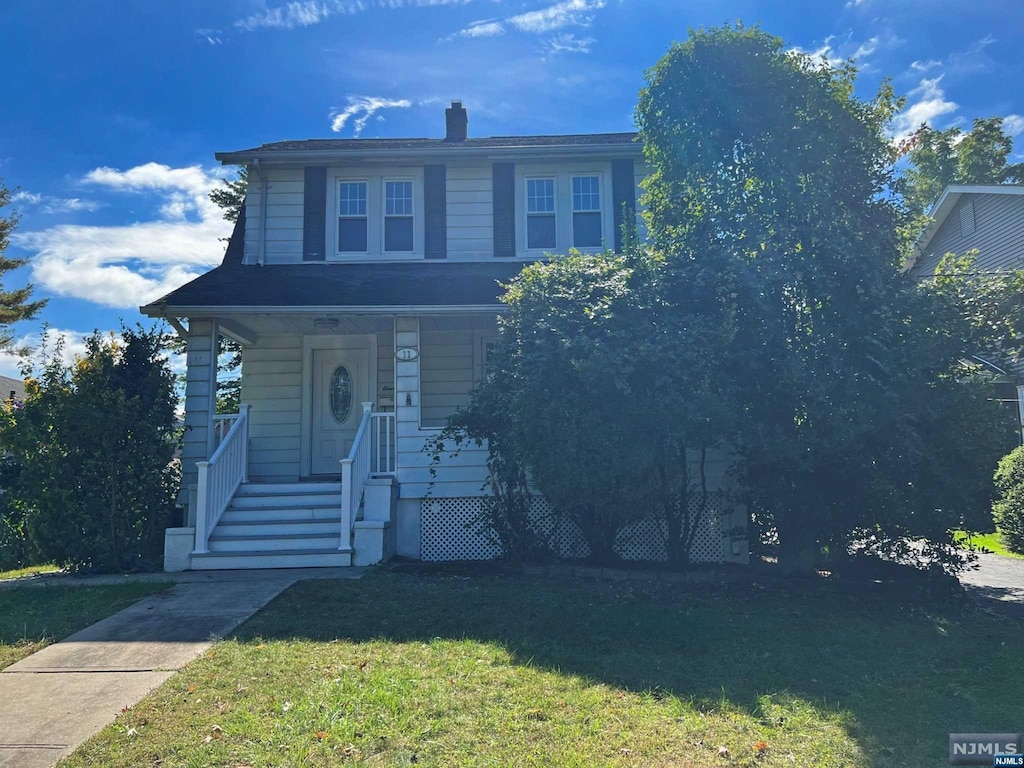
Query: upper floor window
x,y
352,224
398,216
540,214
586,212
562,205
379,214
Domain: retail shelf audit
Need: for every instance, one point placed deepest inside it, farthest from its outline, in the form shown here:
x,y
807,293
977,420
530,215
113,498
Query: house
x,y
12,390
363,282
988,218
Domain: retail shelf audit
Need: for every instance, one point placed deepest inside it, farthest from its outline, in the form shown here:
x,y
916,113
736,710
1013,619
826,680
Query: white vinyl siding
x,y
283,243
272,385
469,196
446,374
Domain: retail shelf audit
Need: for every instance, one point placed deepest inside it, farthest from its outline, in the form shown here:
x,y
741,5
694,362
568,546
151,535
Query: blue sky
x,y
113,110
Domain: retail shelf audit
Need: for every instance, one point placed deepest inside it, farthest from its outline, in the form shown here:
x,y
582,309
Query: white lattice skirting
x,y
449,531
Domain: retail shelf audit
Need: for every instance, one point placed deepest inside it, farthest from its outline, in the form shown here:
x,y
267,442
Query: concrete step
x,y
273,541
260,514
278,526
287,489
322,558
279,500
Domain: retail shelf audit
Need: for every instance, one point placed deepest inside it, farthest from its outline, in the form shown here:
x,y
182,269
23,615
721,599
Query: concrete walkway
x,y
57,698
997,582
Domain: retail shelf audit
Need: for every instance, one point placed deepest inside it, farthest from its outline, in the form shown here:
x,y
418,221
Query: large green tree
x,y
16,304
93,450
770,172
954,156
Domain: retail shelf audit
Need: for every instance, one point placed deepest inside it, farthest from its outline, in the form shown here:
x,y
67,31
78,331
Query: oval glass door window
x,y
341,394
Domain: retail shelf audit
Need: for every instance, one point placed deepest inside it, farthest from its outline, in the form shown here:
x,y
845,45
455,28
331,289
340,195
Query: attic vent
x,y
967,219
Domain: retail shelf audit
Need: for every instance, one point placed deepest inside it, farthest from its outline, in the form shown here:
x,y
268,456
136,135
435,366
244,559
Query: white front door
x,y
340,386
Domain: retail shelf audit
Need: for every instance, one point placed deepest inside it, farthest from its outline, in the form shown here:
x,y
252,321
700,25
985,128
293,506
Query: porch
x,y
324,463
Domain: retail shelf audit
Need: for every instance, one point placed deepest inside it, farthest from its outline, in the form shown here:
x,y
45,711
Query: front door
x,y
340,386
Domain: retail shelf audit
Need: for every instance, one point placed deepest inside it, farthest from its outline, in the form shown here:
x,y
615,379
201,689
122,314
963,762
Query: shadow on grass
x,y
896,673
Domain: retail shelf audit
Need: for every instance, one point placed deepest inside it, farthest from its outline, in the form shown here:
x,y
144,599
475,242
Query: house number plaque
x,y
406,353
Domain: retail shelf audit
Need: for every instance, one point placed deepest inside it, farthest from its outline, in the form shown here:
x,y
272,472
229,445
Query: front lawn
x,y
989,542
30,570
33,617
401,669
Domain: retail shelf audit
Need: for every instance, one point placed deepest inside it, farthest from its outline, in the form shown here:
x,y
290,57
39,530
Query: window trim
x,y
339,216
599,210
563,174
527,178
375,206
384,215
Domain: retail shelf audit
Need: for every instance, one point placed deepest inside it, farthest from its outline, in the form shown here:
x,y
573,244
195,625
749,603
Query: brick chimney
x,y
456,121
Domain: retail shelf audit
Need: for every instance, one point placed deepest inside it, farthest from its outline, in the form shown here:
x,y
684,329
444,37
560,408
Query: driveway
x,y
998,582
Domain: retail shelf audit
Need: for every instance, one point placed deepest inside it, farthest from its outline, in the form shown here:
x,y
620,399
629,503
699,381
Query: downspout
x,y
262,247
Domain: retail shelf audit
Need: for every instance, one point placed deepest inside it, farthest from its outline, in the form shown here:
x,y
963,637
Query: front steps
x,y
278,525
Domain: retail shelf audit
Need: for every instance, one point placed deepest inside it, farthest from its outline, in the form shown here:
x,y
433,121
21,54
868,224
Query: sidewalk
x,y
57,698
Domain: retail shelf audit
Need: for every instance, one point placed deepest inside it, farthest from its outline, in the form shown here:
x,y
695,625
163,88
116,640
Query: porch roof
x,y
378,286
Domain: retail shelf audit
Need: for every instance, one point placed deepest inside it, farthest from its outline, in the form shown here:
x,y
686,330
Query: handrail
x,y
220,477
222,423
355,468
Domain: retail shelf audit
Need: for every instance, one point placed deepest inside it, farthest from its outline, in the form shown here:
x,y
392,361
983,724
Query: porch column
x,y
407,386
200,402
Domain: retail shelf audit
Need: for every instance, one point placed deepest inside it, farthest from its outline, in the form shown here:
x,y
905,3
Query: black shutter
x,y
314,214
504,186
623,194
436,211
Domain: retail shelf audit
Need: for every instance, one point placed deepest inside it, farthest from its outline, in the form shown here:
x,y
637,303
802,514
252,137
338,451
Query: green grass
x,y
33,617
402,670
30,570
989,542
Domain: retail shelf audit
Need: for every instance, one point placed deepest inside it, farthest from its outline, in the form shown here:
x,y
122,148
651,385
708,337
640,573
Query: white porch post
x,y
1020,409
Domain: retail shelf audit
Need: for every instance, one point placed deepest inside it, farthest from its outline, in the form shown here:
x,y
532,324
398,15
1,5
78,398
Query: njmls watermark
x,y
991,749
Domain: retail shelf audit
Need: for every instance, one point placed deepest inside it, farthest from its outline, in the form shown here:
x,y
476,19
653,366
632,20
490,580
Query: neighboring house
x,y
363,281
990,219
12,390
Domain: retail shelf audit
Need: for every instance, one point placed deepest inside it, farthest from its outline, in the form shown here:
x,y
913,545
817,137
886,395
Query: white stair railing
x,y
222,424
354,471
383,434
220,477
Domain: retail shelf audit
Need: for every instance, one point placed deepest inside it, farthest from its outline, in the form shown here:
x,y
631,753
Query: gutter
x,y
390,155
164,311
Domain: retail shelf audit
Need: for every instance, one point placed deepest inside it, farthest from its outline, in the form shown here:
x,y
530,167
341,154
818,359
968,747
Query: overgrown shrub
x,y
94,444
1008,510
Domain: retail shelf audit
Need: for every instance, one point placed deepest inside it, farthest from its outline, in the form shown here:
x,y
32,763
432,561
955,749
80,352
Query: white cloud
x,y
569,43
306,13
362,109
48,204
211,36
39,343
128,265
835,49
486,28
1014,124
569,13
924,66
927,102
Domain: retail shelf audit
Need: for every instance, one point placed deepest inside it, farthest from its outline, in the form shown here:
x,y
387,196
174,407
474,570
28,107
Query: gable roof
x,y
311,149
945,205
